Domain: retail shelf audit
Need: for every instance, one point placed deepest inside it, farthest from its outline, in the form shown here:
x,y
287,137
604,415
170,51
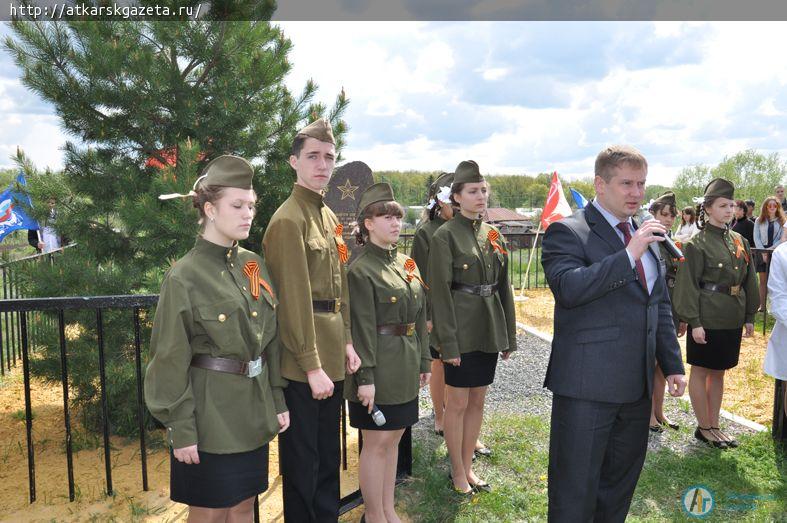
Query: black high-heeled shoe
x,y
731,443
665,423
459,491
712,442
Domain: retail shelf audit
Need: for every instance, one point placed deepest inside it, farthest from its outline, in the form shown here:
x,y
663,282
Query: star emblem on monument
x,y
348,190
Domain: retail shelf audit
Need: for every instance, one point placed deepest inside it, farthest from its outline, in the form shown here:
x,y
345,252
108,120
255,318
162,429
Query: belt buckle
x,y
735,290
486,291
254,368
410,329
337,305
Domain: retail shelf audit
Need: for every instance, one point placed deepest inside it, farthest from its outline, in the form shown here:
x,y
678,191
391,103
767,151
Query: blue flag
x,y
578,198
12,215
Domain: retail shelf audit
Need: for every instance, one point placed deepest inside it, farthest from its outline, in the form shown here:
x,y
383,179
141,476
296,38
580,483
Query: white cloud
x,y
520,97
495,73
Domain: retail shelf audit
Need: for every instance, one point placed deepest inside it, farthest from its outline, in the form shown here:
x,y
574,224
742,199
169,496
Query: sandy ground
x,y
749,393
130,502
748,390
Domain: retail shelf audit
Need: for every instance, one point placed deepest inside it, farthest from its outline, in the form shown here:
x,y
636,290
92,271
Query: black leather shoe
x,y
482,486
713,443
665,423
731,443
483,452
459,491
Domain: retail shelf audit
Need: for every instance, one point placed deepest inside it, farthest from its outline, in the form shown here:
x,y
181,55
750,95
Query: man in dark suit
x,y
612,322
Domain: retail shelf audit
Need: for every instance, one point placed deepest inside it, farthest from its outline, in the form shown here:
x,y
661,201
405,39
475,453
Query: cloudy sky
x,y
518,97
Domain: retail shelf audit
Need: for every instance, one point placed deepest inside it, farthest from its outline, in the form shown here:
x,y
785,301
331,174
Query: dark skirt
x,y
220,480
396,416
476,370
719,353
760,265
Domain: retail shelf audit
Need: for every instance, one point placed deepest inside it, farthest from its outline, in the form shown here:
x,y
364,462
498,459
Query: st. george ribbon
x,y
668,243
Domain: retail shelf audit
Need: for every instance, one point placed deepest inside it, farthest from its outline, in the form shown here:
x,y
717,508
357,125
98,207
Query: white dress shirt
x,y
649,262
776,355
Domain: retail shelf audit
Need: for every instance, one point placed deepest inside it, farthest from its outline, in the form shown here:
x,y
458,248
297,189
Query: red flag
x,y
556,207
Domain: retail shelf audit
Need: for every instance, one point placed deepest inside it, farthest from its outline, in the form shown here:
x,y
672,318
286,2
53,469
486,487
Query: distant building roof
x,y
501,214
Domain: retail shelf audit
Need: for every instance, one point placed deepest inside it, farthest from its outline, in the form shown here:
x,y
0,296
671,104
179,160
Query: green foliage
x,y
754,175
139,97
511,191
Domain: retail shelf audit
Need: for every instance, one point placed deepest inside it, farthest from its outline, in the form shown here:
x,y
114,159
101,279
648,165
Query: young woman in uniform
x,y
473,314
389,333
665,210
213,379
716,294
438,211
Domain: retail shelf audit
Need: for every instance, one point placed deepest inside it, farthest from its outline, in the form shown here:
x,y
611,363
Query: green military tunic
x,y
301,248
206,307
422,240
723,257
382,295
462,252
671,271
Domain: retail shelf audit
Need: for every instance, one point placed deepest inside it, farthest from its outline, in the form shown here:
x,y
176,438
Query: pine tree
x,y
148,105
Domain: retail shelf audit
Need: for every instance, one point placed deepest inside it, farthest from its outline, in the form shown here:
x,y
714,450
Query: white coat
x,y
776,354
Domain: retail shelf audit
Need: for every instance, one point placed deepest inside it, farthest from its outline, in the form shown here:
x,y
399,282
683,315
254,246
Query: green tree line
x,y
507,190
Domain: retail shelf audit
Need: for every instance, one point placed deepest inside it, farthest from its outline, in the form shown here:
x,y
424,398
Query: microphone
x,y
378,417
673,249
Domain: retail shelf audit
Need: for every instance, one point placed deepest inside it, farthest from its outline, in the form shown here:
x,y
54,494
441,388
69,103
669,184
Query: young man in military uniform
x,y
306,257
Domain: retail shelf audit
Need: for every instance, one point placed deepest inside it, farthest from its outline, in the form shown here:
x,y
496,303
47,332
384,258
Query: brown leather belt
x,y
244,368
732,290
326,305
478,290
404,329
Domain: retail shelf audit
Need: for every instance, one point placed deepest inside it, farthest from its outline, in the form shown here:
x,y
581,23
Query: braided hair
x,y
701,215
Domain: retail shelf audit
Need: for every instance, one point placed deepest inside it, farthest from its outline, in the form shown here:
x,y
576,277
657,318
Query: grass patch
x,y
517,471
748,483
19,415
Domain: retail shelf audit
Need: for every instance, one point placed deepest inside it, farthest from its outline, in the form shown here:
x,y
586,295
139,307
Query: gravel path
x,y
518,388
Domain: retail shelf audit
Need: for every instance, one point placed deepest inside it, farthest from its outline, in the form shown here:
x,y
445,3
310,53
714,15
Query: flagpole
x,y
530,258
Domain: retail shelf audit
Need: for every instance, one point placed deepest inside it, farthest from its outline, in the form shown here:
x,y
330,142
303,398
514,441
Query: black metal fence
x,y
524,251
44,308
11,322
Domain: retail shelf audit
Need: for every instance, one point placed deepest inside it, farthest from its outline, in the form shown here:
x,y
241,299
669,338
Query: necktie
x,y
624,228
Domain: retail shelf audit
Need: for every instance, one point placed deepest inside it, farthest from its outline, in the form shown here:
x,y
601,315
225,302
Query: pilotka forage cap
x,y
445,179
468,172
229,171
668,198
378,192
224,171
319,129
720,188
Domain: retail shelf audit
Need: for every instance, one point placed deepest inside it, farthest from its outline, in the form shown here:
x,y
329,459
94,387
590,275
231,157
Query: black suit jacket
x,y
608,330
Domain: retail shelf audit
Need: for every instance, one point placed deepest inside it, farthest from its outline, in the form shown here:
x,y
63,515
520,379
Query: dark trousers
x,y
309,453
779,429
596,453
